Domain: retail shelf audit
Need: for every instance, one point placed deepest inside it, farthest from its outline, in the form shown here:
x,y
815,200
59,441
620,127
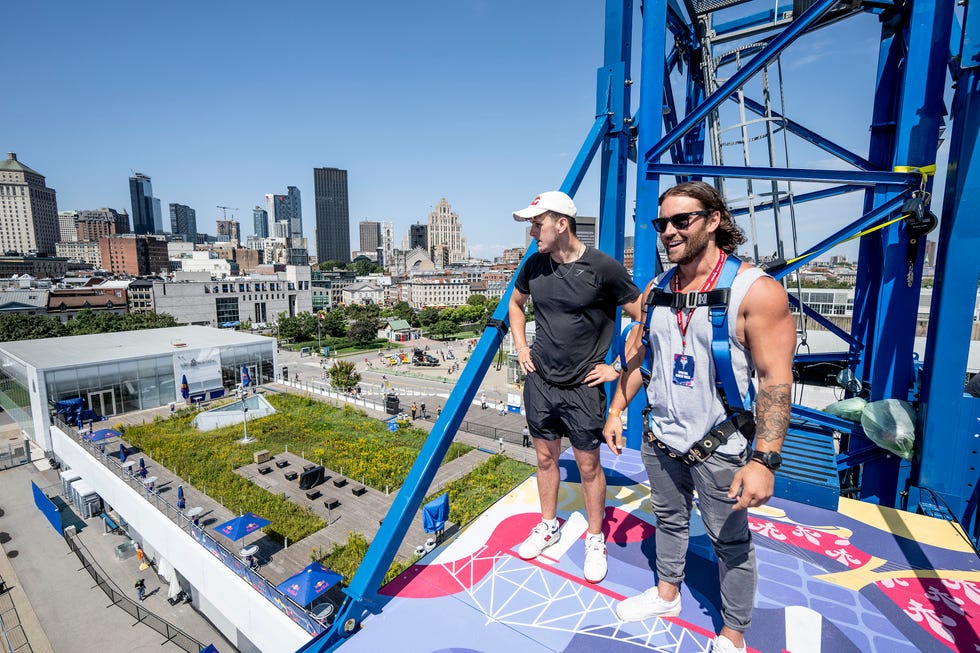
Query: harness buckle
x,y
691,299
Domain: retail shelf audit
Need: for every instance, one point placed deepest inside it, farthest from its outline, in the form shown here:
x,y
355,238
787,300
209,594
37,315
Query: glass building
x,y
116,373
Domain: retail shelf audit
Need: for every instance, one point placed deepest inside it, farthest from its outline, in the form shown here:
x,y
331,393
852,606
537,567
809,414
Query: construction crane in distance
x,y
225,209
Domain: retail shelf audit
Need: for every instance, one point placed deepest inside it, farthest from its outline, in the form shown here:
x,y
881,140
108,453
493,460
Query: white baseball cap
x,y
552,200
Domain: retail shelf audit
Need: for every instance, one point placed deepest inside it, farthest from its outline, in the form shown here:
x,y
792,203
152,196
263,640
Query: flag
x,y
246,379
185,389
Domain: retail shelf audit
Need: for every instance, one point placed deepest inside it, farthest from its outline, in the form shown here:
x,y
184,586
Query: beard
x,y
694,247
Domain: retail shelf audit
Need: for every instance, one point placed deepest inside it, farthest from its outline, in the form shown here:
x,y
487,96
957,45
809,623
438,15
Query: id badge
x,y
683,370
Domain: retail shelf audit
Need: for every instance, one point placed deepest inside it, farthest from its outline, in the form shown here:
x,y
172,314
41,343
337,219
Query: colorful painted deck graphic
x,y
860,579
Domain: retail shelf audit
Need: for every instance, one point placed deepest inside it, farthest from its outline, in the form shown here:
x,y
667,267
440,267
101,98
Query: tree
x,y
477,300
363,331
29,327
428,315
344,375
327,266
334,323
365,266
442,329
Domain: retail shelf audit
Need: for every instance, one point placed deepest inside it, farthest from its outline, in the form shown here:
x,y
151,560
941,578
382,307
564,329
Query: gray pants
x,y
672,485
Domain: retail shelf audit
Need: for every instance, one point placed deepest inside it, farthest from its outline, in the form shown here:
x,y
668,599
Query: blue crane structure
x,y
929,52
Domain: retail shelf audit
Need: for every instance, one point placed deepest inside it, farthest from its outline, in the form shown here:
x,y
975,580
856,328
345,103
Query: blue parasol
x,y
185,390
209,649
102,434
246,379
180,491
122,453
142,464
307,585
239,527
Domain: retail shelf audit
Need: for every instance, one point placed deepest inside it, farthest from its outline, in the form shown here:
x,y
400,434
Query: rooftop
x,y
75,351
11,164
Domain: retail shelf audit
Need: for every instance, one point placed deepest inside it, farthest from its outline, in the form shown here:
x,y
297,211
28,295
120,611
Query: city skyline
x,y
460,100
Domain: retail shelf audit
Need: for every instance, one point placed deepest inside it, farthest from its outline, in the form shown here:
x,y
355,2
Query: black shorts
x,y
577,412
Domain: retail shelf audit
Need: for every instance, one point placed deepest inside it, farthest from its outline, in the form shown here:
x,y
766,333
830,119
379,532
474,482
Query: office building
x,y
28,210
67,228
260,222
332,214
141,198
183,222
135,254
445,229
93,225
295,212
229,230
418,236
88,251
370,233
157,216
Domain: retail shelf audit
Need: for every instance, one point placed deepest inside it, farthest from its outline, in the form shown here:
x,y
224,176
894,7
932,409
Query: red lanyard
x,y
708,284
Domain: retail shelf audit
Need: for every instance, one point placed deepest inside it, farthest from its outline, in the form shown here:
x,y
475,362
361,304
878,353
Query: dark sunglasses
x,y
679,220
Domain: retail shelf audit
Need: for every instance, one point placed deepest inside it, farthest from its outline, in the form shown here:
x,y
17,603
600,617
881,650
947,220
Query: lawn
x,y
343,438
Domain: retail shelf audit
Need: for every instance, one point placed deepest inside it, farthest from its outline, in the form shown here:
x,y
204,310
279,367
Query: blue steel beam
x,y
821,320
654,80
768,53
804,197
864,177
810,136
948,448
868,219
908,114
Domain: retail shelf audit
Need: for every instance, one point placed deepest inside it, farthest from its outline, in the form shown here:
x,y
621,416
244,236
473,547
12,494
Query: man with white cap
x,y
575,290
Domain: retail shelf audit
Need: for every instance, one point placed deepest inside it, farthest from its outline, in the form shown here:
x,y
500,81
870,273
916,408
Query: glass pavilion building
x,y
126,371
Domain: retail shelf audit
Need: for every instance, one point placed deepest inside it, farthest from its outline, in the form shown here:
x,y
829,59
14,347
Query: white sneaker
x,y
724,645
595,565
647,605
541,538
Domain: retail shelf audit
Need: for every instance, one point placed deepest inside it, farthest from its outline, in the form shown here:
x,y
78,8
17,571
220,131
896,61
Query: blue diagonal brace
x,y
767,54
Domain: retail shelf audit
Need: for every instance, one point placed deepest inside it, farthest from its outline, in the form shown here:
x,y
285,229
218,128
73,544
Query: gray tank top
x,y
681,415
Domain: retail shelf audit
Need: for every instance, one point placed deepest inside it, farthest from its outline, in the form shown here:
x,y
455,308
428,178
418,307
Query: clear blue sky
x,y
484,102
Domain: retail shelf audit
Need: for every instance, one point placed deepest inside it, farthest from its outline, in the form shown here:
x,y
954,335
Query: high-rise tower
x,y
445,230
141,197
260,218
28,210
183,221
332,214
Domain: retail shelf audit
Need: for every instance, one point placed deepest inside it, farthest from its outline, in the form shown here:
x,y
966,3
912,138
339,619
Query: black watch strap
x,y
771,459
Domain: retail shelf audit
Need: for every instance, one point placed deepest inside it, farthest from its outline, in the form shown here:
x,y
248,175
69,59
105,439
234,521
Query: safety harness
x,y
738,408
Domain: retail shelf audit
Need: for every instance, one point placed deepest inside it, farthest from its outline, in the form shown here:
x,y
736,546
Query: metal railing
x,y
12,632
299,614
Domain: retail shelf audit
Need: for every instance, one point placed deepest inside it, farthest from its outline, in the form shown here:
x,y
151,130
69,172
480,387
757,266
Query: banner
x,y
202,369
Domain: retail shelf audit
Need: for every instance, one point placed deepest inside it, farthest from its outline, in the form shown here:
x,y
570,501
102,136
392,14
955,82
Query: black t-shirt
x,y
574,311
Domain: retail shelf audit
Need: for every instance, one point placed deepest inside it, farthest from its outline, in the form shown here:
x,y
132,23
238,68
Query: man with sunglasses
x,y
575,290
687,411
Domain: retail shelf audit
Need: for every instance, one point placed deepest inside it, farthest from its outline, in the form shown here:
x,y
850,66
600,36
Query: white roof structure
x,y
73,351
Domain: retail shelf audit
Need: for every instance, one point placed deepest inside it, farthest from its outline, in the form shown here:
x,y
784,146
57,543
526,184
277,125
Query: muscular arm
x,y
630,380
518,324
766,327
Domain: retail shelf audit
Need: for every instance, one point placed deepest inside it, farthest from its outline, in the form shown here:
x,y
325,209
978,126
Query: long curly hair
x,y
728,236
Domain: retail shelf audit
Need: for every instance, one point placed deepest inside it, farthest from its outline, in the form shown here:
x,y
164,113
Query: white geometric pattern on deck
x,y
523,595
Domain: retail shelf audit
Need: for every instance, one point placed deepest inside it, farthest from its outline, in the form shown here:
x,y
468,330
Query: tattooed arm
x,y
766,327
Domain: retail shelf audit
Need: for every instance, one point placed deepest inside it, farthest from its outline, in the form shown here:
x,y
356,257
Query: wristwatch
x,y
771,459
616,365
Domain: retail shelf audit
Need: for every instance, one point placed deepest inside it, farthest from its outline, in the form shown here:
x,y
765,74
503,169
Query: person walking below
x,y
483,401
575,290
501,408
422,410
525,436
415,409
140,589
698,437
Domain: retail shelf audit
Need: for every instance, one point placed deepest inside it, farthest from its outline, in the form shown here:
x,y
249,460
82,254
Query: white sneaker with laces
x,y
595,566
541,538
724,645
646,606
